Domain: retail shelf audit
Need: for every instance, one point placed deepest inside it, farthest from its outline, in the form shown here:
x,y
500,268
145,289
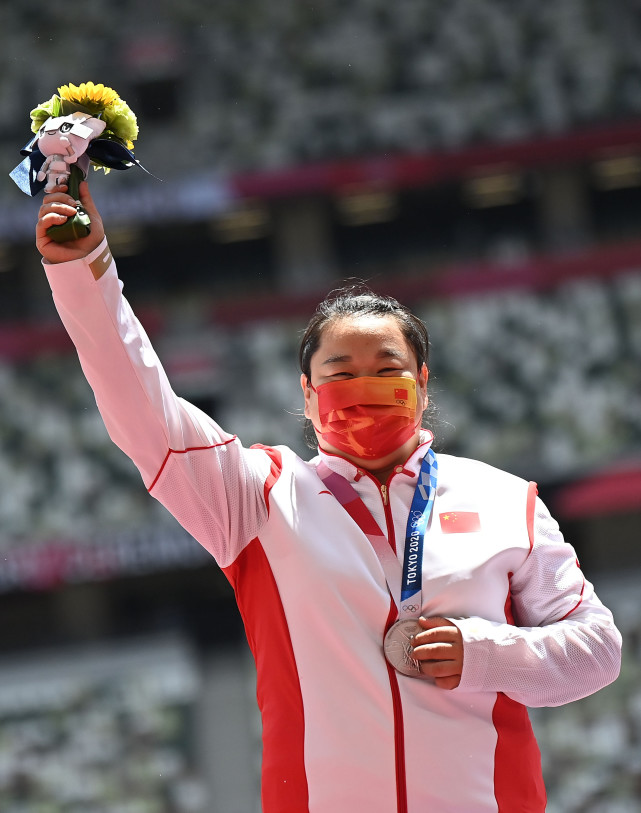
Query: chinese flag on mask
x,y
460,522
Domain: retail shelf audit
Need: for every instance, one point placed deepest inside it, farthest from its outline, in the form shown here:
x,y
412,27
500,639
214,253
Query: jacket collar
x,y
351,472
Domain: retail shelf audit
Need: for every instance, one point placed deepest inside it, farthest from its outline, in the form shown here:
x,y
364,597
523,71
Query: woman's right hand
x,y
56,208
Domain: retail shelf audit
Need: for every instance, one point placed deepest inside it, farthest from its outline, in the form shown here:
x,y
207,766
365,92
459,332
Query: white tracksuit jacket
x,y
342,732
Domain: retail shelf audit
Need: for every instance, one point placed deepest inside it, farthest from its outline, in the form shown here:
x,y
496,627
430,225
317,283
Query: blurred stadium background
x,y
479,159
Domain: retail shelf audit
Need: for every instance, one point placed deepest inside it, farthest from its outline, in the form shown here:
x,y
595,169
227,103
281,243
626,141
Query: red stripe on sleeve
x,y
186,451
577,605
532,493
509,615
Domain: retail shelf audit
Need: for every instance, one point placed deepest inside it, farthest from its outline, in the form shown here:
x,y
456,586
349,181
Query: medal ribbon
x,y
404,582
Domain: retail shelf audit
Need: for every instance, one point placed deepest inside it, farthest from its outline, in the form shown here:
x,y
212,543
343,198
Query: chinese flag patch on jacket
x,y
460,522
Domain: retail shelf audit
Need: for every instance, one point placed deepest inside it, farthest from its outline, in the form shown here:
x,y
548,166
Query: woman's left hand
x,y
439,648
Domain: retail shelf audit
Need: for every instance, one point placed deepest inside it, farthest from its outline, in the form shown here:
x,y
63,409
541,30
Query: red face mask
x,y
367,417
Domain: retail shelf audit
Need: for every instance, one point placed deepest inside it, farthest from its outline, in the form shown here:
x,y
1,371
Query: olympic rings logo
x,y
410,608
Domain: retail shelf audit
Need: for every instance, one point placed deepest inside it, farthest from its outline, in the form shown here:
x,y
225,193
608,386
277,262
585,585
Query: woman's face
x,y
365,345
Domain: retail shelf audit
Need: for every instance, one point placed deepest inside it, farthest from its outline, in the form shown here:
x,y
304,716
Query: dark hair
x,y
358,300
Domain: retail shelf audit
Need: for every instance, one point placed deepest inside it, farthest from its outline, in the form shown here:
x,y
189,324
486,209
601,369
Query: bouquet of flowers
x,y
79,126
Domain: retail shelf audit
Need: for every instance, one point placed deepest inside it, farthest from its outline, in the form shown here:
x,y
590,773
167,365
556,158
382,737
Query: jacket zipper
x,y
399,735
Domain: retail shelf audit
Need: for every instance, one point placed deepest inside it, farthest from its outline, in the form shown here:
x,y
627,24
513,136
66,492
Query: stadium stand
x,y
480,159
108,730
332,80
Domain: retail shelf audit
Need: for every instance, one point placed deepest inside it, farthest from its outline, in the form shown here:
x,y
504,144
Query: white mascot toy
x,y
63,140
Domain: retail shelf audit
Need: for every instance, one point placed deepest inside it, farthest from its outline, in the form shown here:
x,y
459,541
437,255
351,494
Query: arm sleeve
x,y
565,646
166,437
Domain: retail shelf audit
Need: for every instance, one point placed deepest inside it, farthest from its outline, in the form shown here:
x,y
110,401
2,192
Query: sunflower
x,y
96,100
88,95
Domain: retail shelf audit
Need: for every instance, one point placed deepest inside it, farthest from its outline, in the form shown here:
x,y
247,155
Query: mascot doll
x,y
78,126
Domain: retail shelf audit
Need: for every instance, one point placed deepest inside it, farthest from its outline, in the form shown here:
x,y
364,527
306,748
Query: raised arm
x,y
202,474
